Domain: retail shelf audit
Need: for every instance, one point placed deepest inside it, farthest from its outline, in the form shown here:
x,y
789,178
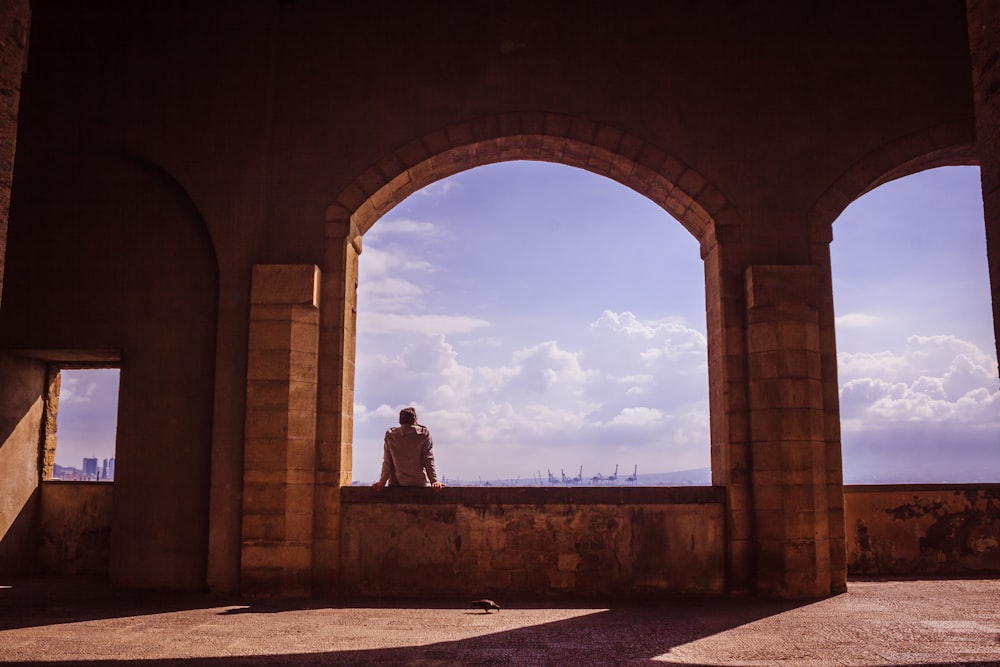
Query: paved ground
x,y
81,622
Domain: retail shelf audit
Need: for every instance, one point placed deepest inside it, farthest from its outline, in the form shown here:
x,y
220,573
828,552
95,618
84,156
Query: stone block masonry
x,y
923,529
279,460
532,542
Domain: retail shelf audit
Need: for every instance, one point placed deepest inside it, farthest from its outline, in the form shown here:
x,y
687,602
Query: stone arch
x,y
651,171
948,144
599,148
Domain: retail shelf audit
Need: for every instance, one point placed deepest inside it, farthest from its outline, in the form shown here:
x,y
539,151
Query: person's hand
x,y
379,485
437,486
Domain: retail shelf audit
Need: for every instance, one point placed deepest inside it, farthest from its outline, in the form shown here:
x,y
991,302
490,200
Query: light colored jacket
x,y
408,457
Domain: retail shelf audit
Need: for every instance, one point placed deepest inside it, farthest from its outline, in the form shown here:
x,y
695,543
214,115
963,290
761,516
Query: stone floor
x,y
82,622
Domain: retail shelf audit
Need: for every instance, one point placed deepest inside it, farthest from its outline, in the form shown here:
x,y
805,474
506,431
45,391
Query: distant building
x,y
108,469
90,467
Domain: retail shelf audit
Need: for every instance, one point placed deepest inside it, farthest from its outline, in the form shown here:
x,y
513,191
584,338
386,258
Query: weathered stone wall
x,y
923,529
75,527
15,17
984,48
22,385
549,542
138,284
529,542
154,172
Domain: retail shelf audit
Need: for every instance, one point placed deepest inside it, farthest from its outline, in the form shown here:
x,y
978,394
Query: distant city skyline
x,y
88,413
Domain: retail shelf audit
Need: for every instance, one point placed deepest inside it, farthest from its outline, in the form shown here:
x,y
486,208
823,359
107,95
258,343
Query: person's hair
x,y
408,416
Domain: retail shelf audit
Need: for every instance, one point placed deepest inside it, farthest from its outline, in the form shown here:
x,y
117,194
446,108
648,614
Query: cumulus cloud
x,y
547,407
393,292
389,283
73,390
934,380
94,385
438,188
379,262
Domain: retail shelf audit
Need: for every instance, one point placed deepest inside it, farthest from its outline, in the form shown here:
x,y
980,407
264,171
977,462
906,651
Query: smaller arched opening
x,y
918,388
918,394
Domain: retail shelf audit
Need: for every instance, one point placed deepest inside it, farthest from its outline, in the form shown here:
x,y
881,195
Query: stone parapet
x,y
922,529
532,542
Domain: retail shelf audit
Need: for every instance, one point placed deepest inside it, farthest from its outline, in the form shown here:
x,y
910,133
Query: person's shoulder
x,y
421,429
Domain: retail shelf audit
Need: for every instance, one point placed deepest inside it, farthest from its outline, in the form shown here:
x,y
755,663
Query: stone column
x,y
15,17
336,395
279,452
820,256
727,389
786,413
984,46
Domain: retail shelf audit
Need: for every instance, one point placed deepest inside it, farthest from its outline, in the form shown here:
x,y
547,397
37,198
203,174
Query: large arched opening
x,y
649,170
548,323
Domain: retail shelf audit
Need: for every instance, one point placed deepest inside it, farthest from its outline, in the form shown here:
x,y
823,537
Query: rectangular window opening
x,y
81,439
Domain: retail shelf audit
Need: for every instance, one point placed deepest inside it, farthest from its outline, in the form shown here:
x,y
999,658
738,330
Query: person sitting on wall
x,y
408,456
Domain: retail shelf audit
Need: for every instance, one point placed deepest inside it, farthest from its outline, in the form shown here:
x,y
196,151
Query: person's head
x,y
407,416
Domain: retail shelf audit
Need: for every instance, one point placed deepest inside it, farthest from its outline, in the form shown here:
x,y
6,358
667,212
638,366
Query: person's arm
x,y
428,460
388,471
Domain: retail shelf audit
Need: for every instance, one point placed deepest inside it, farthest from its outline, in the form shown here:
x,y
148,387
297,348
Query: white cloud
x,y
547,407
934,380
388,294
73,390
378,262
638,417
860,364
438,188
397,226
546,366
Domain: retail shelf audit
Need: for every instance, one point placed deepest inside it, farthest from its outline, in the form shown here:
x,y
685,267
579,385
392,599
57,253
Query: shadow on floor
x,y
620,635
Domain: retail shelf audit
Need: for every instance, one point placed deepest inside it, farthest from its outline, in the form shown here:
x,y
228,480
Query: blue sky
x,y
88,411
544,318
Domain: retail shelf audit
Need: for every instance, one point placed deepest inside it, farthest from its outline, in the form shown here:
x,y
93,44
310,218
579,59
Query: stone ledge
x,y
520,495
990,489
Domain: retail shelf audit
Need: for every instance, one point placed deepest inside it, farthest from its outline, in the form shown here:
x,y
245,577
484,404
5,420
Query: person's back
x,y
410,446
408,454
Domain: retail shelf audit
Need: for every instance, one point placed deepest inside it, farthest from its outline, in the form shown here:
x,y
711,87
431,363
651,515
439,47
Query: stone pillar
x,y
820,255
15,18
788,457
336,395
279,452
727,389
984,46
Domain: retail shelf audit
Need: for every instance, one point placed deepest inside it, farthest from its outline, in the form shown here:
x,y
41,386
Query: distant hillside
x,y
696,477
703,477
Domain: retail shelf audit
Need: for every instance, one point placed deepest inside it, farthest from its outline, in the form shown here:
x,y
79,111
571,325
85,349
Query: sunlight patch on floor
x,y
246,630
